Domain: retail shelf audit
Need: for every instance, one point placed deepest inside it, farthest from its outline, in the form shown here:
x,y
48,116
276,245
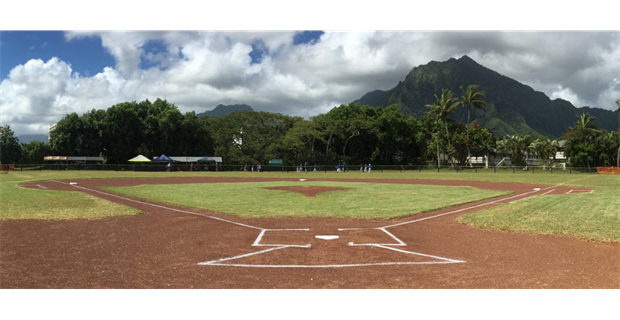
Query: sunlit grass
x,y
360,200
591,216
594,216
22,203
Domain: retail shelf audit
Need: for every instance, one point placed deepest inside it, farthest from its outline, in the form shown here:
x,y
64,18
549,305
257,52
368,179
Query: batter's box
x,y
335,238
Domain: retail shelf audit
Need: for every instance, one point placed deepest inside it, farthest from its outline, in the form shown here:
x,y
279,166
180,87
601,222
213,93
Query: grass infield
x,y
360,200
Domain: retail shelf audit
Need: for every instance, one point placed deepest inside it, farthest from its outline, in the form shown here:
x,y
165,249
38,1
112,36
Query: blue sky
x,y
86,56
48,74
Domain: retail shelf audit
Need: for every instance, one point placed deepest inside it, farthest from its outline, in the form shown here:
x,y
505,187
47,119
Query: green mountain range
x,y
513,108
222,110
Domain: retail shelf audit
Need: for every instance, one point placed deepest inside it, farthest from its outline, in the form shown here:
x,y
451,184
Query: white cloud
x,y
199,70
568,95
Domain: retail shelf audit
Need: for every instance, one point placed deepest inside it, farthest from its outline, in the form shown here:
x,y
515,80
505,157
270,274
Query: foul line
x,y
464,209
167,208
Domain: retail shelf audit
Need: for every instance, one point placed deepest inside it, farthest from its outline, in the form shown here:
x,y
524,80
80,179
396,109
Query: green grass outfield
x,y
592,216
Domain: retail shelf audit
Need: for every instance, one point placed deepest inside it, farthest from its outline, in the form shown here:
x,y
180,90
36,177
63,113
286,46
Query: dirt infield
x,y
177,247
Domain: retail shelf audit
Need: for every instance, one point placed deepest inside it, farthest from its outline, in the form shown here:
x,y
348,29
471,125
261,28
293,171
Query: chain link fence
x,y
201,167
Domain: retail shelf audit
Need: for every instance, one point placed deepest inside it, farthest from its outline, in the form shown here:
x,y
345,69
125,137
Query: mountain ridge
x,y
222,110
513,107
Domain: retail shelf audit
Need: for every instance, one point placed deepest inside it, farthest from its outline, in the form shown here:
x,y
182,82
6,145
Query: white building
x,y
51,128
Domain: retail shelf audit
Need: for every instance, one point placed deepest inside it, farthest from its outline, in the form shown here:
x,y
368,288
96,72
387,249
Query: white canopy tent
x,y
193,159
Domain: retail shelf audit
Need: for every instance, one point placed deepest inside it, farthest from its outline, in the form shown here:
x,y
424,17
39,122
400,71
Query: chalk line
x,y
163,207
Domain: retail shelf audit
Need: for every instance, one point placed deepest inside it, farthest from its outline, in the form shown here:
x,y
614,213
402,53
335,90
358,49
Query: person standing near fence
x,y
315,167
361,167
245,168
369,167
338,168
344,164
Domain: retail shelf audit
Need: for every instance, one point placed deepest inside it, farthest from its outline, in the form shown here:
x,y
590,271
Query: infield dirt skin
x,y
164,248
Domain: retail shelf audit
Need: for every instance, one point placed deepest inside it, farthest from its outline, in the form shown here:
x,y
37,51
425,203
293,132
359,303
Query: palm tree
x,y
441,109
543,149
583,128
472,98
536,147
585,122
518,146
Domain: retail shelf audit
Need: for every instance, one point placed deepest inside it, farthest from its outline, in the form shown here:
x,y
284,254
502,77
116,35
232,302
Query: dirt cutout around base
x,y
309,191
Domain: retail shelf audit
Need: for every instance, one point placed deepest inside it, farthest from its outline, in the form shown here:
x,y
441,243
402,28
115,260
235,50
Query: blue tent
x,y
207,159
163,158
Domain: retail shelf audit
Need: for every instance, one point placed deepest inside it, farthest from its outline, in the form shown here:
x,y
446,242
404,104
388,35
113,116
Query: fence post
x,y
551,170
513,169
570,171
494,170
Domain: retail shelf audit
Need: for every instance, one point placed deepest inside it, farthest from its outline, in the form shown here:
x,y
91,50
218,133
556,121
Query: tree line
x,y
348,133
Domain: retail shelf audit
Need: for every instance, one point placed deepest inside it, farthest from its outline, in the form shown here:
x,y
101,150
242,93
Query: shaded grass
x,y
361,200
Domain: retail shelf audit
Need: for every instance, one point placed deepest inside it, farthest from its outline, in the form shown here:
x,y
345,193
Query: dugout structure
x,y
62,162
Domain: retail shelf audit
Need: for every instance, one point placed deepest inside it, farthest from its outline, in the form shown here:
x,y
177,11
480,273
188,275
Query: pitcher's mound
x,y
309,191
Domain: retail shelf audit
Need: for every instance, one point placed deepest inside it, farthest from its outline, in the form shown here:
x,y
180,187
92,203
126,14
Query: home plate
x,y
327,237
302,179
73,183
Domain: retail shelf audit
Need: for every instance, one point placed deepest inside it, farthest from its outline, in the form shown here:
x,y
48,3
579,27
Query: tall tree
x,y
544,149
35,151
10,149
472,98
441,109
68,138
579,145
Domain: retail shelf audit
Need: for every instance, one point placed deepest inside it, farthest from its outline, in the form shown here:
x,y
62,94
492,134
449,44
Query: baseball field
x,y
408,229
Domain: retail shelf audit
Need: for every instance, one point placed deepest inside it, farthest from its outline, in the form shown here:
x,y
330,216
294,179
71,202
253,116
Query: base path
x,y
178,247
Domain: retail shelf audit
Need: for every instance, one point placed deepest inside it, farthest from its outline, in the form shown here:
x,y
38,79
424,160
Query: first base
x,y
302,179
73,183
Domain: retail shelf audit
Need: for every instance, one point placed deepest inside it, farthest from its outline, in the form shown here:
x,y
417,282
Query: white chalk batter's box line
x,y
388,246
257,242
